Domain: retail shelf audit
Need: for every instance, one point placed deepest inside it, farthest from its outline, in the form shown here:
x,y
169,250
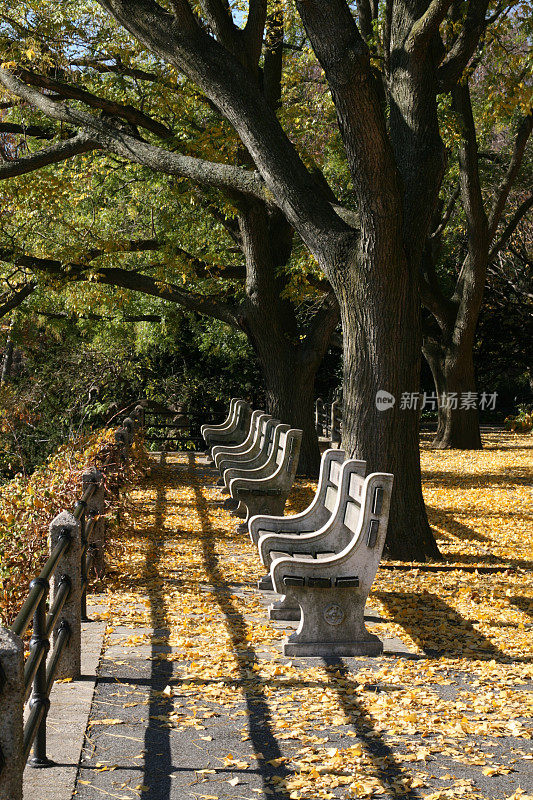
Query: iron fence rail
x,y
49,618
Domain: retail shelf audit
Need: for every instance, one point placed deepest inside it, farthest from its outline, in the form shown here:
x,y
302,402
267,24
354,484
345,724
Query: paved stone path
x,y
153,734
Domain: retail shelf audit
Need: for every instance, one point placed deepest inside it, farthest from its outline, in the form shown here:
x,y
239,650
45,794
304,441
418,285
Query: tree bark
x,y
289,392
382,346
270,323
453,373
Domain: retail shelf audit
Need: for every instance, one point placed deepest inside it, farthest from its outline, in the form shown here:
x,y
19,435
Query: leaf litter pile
x,y
451,721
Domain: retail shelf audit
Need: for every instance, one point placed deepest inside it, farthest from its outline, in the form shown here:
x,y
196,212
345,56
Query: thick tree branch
x,y
511,226
522,136
131,246
221,176
254,30
119,69
123,317
428,24
451,69
81,143
127,279
223,79
16,297
345,58
273,60
182,14
221,23
27,130
71,92
364,14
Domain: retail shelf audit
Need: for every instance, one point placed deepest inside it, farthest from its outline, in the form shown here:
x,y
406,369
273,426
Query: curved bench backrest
x,y
255,422
366,518
287,456
244,414
269,436
344,499
231,410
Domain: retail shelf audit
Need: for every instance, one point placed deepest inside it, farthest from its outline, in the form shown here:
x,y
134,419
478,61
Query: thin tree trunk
x,y
455,384
289,390
7,361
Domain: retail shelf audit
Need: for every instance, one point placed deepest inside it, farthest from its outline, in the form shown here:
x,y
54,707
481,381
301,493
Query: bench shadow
x,y
157,744
523,603
371,740
262,738
455,637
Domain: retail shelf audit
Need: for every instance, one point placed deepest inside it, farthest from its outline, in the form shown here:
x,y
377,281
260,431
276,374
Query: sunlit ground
x,y
475,628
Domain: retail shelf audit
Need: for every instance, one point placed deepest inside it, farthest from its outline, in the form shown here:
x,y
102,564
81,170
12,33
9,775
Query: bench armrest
x,y
259,473
248,485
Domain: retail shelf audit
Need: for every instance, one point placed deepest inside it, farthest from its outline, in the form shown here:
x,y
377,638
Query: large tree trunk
x,y
270,323
455,385
382,346
289,391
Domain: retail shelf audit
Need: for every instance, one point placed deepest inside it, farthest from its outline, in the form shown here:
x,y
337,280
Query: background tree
x,y
488,137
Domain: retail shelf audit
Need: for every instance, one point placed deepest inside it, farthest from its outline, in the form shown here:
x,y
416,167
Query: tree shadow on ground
x,y
484,480
157,746
439,629
524,603
260,724
453,526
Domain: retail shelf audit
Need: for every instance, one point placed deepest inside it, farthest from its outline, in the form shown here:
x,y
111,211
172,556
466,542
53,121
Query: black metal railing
x,y
39,670
57,620
171,430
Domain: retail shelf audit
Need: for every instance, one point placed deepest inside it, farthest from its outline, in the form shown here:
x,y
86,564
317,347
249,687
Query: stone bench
x,y
321,508
260,493
330,588
270,529
235,432
225,457
206,428
263,463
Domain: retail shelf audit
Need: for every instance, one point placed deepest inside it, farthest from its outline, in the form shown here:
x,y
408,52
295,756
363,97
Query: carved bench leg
x,y
332,623
265,583
266,505
286,608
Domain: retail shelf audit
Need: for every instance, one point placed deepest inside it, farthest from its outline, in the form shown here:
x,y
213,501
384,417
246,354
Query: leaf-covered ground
x,y
452,722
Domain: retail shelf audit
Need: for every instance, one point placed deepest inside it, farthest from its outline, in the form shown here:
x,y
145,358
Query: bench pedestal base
x,y
265,583
284,614
371,647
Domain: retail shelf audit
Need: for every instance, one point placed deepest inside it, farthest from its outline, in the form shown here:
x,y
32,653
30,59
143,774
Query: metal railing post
x,y
39,697
80,511
66,524
11,715
96,543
